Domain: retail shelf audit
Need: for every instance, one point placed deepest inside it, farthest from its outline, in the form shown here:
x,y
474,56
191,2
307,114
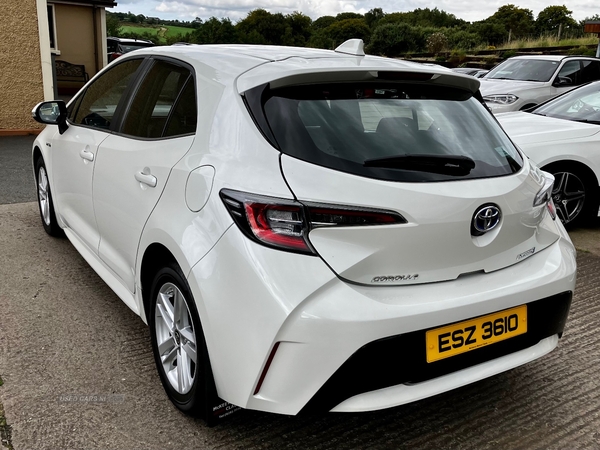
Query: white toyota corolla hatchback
x,y
306,230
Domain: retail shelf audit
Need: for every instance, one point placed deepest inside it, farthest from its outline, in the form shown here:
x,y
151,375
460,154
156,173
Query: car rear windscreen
x,y
388,131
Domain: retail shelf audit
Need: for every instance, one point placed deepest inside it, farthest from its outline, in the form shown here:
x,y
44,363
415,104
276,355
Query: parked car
x,y
119,46
472,71
523,82
306,230
563,137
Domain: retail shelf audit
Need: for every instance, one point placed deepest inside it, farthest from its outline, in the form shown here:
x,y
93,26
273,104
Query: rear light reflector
x,y
552,209
285,224
266,369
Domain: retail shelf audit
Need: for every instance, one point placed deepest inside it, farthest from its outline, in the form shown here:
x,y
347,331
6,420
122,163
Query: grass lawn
x,y
158,32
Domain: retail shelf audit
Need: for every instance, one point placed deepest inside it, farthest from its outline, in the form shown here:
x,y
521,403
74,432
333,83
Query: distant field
x,y
159,32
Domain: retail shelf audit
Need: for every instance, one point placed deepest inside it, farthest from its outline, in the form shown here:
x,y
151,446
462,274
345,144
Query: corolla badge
x,y
486,218
392,278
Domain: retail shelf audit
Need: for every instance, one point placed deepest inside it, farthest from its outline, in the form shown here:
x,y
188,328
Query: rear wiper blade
x,y
442,164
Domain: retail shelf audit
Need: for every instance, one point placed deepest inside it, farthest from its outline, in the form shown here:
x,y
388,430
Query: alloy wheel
x,y
43,194
175,338
568,195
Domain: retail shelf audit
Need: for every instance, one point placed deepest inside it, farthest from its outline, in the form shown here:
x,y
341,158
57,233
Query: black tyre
x,y
575,194
45,203
178,344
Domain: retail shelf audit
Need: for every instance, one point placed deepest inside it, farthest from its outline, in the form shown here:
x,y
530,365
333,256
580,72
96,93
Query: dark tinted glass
x,y
73,107
342,126
152,104
590,71
184,117
102,97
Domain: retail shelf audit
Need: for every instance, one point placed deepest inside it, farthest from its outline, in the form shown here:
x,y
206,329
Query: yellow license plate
x,y
465,336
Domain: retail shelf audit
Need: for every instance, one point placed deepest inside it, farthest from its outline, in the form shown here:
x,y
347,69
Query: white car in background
x,y
306,230
523,82
563,137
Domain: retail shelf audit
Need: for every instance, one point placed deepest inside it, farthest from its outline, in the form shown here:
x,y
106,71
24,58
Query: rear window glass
x,y
390,131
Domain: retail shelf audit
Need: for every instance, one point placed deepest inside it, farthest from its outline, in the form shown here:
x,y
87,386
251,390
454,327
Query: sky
x,y
470,10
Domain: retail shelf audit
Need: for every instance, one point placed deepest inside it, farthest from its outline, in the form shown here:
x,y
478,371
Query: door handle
x,y
146,178
86,155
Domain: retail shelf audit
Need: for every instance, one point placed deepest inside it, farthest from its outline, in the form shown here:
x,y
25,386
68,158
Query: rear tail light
x,y
544,195
552,209
285,224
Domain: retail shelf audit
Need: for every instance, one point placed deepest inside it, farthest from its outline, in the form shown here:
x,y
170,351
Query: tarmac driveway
x,y
78,371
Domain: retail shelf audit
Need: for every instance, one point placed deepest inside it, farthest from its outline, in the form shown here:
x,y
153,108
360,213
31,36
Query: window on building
x,y
52,27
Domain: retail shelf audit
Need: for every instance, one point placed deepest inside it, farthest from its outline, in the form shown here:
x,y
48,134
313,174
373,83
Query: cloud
x,y
238,9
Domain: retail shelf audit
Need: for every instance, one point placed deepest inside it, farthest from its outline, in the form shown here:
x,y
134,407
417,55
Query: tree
x,y
215,31
348,15
393,39
262,27
436,42
322,22
551,18
373,17
490,31
518,20
463,40
113,27
341,31
299,29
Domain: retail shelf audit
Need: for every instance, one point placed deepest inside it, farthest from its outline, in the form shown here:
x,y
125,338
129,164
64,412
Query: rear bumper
x,y
251,298
400,360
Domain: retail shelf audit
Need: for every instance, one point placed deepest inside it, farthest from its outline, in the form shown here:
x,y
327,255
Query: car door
x,y
134,164
569,76
74,153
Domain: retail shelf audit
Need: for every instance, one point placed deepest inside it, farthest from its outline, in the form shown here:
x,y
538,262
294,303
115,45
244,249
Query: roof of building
x,y
105,3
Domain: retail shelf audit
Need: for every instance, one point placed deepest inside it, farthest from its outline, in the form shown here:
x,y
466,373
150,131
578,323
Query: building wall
x,y
20,65
75,38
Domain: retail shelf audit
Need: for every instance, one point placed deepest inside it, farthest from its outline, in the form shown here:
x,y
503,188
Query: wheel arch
x,y
565,163
156,256
37,153
589,210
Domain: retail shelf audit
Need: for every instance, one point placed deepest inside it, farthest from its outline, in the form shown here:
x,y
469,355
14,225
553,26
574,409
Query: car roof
x,y
552,57
253,65
129,40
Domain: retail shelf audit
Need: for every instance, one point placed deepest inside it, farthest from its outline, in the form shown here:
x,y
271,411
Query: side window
x,y
184,116
570,73
101,98
590,71
153,102
73,107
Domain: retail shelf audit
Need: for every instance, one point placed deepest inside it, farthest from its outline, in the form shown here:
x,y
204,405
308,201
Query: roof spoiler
x,y
352,47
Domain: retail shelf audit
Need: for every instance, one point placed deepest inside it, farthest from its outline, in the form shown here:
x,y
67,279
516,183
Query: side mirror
x,y
51,113
563,81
